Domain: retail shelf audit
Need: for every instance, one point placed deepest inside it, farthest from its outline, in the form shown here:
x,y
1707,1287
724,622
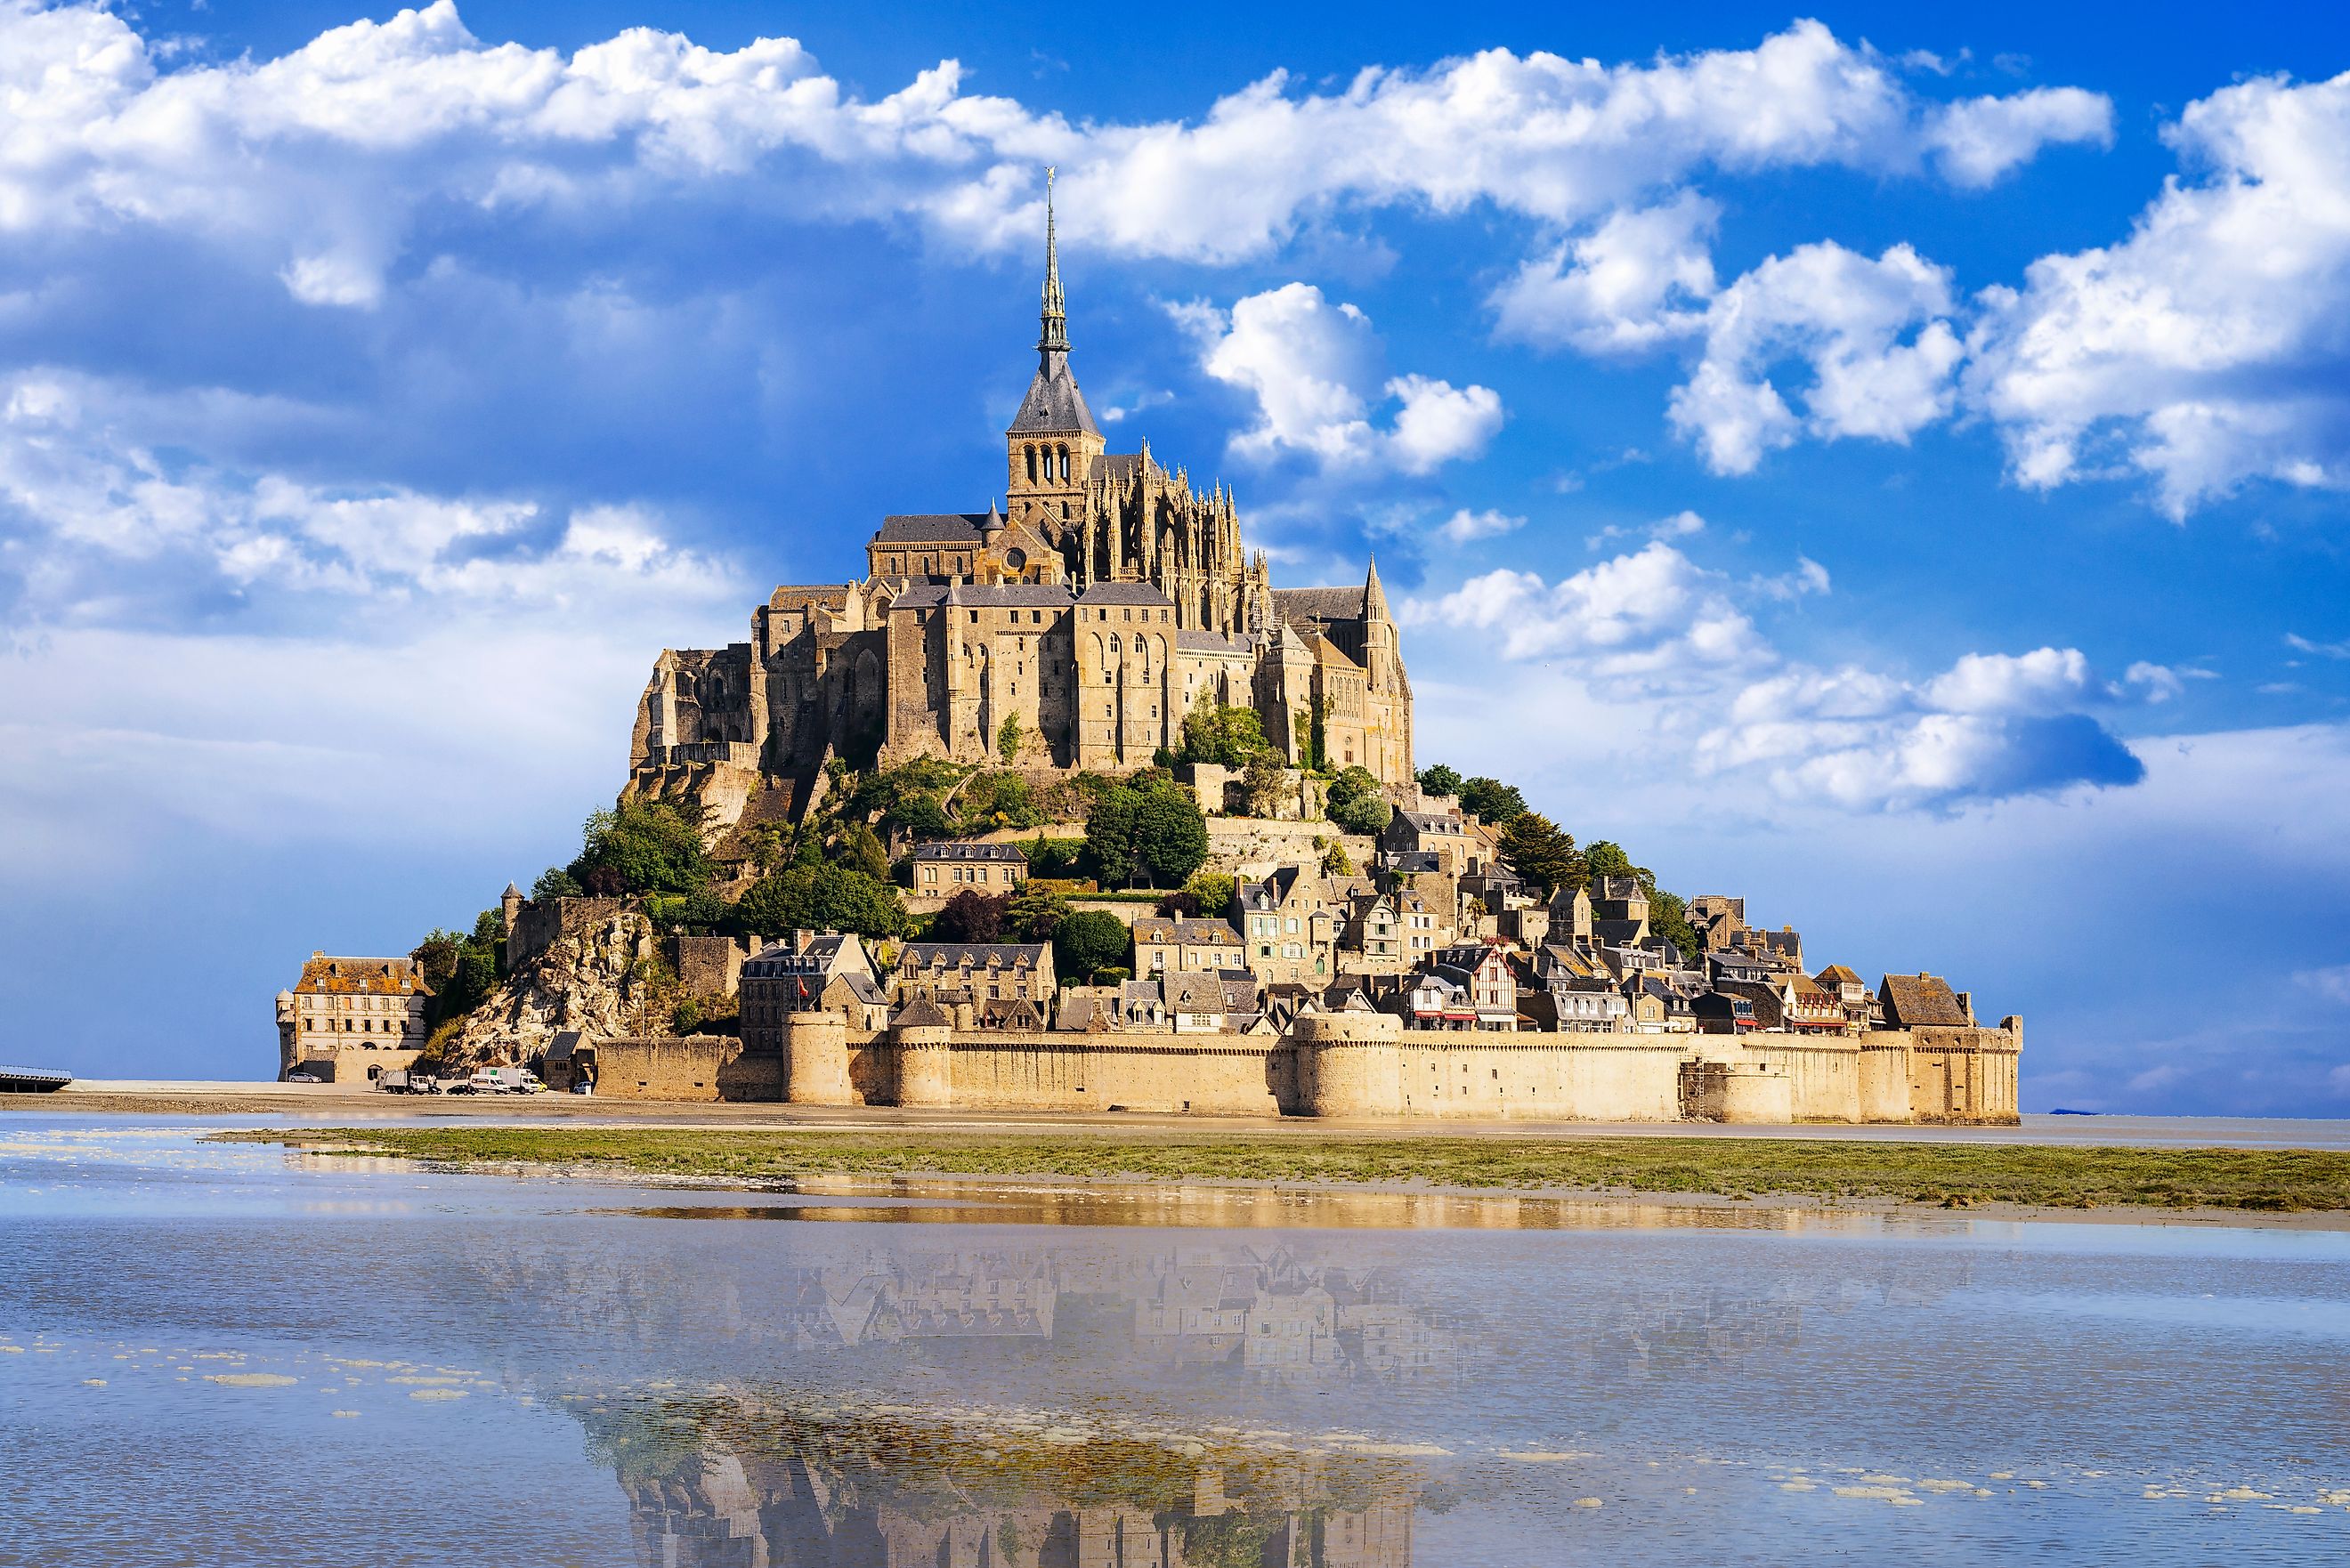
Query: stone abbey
x,y
1072,625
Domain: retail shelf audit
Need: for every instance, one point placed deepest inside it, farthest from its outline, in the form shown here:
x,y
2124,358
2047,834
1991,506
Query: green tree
x,y
1668,917
859,849
1008,737
1170,835
1607,858
648,846
1222,734
1335,861
1266,783
1355,803
1214,892
1110,837
1087,942
819,897
1496,802
1036,913
555,882
1542,856
1438,779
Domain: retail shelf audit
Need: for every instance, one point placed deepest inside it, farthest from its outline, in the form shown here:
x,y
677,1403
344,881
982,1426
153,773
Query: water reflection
x,y
741,1483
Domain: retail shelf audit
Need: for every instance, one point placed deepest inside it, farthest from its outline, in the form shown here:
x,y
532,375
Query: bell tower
x,y
1053,443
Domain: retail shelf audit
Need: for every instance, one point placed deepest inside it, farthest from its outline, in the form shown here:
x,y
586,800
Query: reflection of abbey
x,y
1095,606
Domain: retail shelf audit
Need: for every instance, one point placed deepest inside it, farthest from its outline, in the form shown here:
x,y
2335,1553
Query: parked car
x,y
507,1081
300,1076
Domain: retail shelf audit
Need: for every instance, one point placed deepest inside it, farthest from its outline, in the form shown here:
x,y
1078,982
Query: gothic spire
x,y
1375,598
1056,314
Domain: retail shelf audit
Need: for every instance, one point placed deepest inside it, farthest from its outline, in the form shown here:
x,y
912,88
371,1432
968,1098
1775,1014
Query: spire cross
x,y
1055,314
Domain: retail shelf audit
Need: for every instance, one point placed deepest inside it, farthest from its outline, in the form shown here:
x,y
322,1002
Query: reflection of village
x,y
1278,1318
1683,1332
733,1488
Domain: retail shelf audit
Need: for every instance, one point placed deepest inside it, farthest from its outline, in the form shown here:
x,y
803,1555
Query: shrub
x,y
972,915
820,897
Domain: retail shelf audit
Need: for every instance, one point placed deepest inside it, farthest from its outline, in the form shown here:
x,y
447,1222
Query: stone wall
x,y
345,1062
1350,1065
707,966
695,1067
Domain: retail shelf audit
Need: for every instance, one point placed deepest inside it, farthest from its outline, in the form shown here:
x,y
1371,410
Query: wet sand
x,y
327,1104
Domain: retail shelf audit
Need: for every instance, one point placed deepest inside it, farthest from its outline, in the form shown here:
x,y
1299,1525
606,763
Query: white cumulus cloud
x,y
1315,372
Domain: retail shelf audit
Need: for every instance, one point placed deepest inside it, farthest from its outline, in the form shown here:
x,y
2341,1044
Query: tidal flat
x,y
231,1352
2072,1178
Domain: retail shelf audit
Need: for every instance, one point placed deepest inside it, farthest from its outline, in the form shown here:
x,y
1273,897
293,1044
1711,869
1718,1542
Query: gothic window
x,y
1032,465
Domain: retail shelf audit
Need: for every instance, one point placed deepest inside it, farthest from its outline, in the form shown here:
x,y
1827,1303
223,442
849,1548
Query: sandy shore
x,y
327,1104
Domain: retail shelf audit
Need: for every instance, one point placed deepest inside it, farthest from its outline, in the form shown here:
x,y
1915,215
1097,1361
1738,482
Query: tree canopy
x,y
819,897
644,846
1496,802
972,915
1542,856
1152,829
1087,942
1355,803
1035,913
1607,858
1222,734
1438,779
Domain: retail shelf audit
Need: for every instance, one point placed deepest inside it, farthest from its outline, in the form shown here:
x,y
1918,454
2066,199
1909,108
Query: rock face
x,y
604,981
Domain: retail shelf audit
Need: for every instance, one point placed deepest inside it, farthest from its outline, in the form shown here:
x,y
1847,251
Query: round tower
x,y
1348,1063
815,1059
925,1062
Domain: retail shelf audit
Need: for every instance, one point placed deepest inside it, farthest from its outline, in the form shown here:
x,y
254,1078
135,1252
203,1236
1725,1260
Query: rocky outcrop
x,y
606,980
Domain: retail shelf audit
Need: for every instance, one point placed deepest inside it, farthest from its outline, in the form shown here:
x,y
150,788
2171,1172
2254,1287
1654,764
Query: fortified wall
x,y
1345,1066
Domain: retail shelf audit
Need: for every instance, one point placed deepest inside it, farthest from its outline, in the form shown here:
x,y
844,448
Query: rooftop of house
x,y
973,955
1184,931
327,976
966,849
1915,1001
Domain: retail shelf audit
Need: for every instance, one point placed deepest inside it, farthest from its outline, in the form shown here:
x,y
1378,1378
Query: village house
x,y
973,973
351,1020
947,868
1181,945
1290,923
809,972
1924,1001
1482,970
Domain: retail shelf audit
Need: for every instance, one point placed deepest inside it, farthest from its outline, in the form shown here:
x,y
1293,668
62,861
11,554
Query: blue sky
x,y
1891,466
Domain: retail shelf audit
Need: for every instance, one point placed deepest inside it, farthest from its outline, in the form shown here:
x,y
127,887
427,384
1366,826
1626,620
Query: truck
x,y
506,1081
407,1081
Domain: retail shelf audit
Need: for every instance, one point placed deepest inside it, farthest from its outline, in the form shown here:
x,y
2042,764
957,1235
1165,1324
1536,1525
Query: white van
x,y
506,1081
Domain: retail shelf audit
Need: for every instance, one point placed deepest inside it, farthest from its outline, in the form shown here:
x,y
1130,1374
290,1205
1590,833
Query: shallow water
x,y
226,1353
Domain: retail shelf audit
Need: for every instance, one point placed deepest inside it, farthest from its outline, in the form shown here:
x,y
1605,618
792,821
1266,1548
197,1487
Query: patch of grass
x,y
1951,1175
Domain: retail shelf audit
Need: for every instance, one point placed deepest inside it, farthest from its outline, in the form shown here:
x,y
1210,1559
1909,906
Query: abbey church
x,y
1074,622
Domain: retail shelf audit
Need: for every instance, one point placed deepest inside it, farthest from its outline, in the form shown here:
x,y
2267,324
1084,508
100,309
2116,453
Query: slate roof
x,y
968,849
1913,1001
919,596
1237,643
921,1014
1296,605
1117,467
931,528
1194,993
361,976
979,955
1124,594
1186,933
1009,596
1053,405
833,597
1616,934
1618,889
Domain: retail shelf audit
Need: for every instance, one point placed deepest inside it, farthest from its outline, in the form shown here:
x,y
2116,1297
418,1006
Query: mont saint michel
x,y
1064,806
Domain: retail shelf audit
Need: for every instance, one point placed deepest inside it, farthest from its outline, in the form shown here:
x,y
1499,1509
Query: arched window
x,y
1064,463
1032,465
